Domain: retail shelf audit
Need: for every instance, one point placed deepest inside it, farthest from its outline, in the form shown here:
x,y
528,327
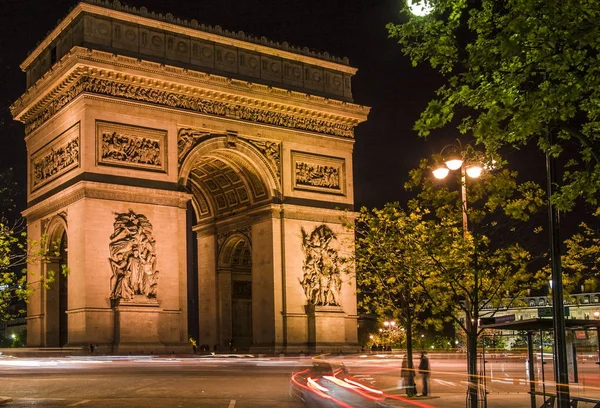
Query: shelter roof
x,y
545,324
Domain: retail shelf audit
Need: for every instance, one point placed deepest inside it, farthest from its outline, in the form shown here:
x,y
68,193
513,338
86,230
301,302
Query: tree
x,y
423,252
518,72
16,252
385,280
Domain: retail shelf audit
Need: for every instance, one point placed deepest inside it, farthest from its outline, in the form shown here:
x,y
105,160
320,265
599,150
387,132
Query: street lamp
x,y
420,7
456,158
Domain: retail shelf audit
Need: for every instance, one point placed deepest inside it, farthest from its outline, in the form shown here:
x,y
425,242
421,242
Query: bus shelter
x,y
579,329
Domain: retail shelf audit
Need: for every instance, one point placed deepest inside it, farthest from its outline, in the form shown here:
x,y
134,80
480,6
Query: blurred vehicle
x,y
328,384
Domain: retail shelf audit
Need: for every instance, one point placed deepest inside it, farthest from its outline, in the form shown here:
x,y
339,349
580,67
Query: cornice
x,y
176,87
177,78
192,29
101,191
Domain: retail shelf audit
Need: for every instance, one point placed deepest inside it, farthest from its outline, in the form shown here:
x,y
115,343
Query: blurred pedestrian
x,y
407,379
425,371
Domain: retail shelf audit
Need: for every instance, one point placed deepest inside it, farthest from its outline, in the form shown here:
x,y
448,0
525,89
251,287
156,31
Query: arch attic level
x,y
200,176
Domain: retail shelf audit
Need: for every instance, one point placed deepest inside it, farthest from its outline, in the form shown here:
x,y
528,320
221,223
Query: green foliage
x,y
16,252
423,257
516,72
581,260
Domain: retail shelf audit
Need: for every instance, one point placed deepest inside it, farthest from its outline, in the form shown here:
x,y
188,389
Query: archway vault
x,y
228,175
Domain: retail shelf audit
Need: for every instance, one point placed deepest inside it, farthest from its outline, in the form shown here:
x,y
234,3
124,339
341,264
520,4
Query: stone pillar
x,y
207,294
224,302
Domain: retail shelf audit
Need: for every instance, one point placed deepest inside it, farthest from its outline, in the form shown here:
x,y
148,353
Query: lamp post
x,y
456,159
561,371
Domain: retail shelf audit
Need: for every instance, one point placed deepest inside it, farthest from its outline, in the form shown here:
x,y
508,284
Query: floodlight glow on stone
x,y
420,8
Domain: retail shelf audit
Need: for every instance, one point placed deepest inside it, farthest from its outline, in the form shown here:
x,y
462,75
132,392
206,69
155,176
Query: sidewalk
x,y
458,400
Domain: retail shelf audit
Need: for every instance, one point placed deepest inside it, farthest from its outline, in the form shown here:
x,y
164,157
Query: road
x,y
237,382
145,382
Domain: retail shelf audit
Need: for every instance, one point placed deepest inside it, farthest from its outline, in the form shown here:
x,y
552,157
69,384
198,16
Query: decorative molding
x,y
188,138
136,92
80,60
101,191
131,146
222,236
56,158
323,174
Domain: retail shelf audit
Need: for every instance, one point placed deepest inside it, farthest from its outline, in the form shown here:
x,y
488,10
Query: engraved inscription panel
x,y
131,146
318,173
56,158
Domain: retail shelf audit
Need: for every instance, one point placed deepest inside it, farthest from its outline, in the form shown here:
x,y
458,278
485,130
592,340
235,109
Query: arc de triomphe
x,y
195,180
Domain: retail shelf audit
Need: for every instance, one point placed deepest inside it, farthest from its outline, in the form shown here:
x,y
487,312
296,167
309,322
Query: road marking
x,y
79,403
509,381
442,382
231,404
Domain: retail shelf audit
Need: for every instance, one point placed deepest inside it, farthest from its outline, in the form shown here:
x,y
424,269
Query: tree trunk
x,y
472,367
410,387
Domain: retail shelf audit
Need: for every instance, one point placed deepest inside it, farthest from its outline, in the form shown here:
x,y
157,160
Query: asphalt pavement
x,y
458,400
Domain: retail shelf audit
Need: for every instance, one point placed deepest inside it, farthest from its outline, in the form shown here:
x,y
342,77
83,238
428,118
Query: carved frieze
x,y
318,173
321,279
142,93
55,159
132,258
131,146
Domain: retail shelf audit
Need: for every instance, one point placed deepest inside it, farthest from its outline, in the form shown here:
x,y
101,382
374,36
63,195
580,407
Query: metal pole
x,y
531,368
542,364
463,191
560,341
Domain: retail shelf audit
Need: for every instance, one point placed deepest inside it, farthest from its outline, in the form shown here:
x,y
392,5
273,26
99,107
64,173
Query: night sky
x,y
386,146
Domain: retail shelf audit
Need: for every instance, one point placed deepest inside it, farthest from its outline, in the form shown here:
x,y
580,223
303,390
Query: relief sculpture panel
x,y
321,280
165,98
132,258
318,173
131,146
55,159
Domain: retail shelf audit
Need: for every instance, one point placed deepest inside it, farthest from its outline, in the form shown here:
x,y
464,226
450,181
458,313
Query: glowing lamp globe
x,y
454,164
474,171
420,7
440,172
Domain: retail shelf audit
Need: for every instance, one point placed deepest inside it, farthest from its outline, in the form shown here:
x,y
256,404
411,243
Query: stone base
x,y
326,326
136,326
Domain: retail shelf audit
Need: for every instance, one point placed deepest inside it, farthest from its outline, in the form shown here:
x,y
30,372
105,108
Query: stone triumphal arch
x,y
200,178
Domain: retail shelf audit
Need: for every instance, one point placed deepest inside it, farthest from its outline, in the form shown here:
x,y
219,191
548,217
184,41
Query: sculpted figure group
x,y
322,279
132,257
